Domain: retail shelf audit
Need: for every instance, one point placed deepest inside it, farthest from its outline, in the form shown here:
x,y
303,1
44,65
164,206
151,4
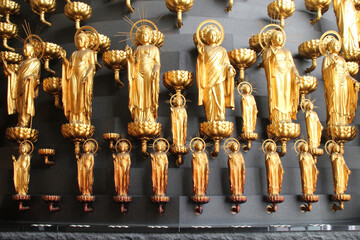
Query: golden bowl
x,y
280,10
179,6
52,85
158,38
308,84
105,43
178,80
8,30
242,59
11,57
52,51
8,7
353,68
41,7
77,11
77,131
114,59
310,50
351,55
111,136
319,6
46,152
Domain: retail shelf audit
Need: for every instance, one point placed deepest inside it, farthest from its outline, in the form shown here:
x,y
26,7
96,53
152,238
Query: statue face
x,y
160,146
29,50
310,106
82,40
212,36
277,39
336,47
24,148
234,146
271,147
336,148
145,36
198,145
178,101
124,147
246,89
89,147
304,147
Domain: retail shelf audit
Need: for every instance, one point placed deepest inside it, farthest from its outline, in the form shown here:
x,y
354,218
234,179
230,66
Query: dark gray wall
x,y
110,114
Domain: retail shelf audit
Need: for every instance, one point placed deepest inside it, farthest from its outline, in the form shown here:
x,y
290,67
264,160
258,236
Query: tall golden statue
x,y
215,81
341,174
85,166
159,172
22,173
144,78
283,82
122,164
309,174
237,171
274,173
341,90
200,173
249,113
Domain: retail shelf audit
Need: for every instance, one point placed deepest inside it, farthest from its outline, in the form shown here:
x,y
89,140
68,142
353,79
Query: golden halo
x,y
227,140
216,23
200,139
167,142
140,21
261,34
177,94
92,140
264,143
123,140
327,145
322,44
296,148
36,42
31,144
91,29
303,103
244,83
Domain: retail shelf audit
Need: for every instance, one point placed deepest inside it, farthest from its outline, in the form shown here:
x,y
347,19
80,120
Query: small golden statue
x,y
274,173
249,113
341,90
22,173
237,173
215,81
309,174
283,82
159,173
341,174
313,128
77,86
179,6
144,79
200,173
85,166
122,164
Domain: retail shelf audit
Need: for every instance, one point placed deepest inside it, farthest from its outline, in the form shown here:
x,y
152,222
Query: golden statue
x,y
249,113
237,171
144,78
24,83
78,77
274,173
309,173
341,174
122,164
200,172
215,81
159,172
341,90
283,82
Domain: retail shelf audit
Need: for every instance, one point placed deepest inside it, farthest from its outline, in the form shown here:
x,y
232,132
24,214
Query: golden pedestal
x,y
283,131
179,151
7,31
77,11
353,68
242,59
249,137
199,200
77,132
21,199
179,7
8,8
115,60
178,80
160,201
46,153
51,51
41,7
341,133
123,201
309,199
274,200
318,6
52,85
19,134
237,200
86,200
310,50
308,84
280,10
51,200
111,138
341,198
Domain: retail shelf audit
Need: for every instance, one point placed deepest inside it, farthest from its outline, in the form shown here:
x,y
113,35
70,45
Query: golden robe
x,y
308,172
237,172
249,113
200,173
274,173
159,173
85,166
313,129
215,86
179,126
22,174
122,164
340,173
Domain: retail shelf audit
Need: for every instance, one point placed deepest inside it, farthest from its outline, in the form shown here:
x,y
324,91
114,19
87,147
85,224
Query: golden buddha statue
x,y
159,167
122,164
85,165
22,168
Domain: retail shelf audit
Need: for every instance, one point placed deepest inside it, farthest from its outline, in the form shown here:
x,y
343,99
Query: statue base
x,y
52,199
144,131
199,200
77,131
86,200
123,201
309,199
283,131
179,151
341,133
341,198
249,137
308,84
19,134
21,199
237,200
216,130
160,201
112,138
274,200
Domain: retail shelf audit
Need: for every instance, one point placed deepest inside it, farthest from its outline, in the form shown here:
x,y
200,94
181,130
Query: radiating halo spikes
x,y
303,103
36,42
198,38
134,26
244,83
173,98
261,34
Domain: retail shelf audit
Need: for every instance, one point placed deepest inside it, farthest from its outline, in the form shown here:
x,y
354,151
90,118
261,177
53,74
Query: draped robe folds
x,y
283,90
348,21
274,172
215,86
340,173
159,166
143,90
85,173
200,173
179,125
313,129
249,113
23,89
308,172
122,165
340,93
237,172
77,85
22,174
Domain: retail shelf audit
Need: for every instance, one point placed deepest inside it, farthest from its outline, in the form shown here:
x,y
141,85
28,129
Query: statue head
x,y
277,39
212,35
309,106
336,148
89,146
144,35
198,145
123,146
29,50
246,89
271,147
233,146
160,146
82,40
333,46
304,147
178,101
24,148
